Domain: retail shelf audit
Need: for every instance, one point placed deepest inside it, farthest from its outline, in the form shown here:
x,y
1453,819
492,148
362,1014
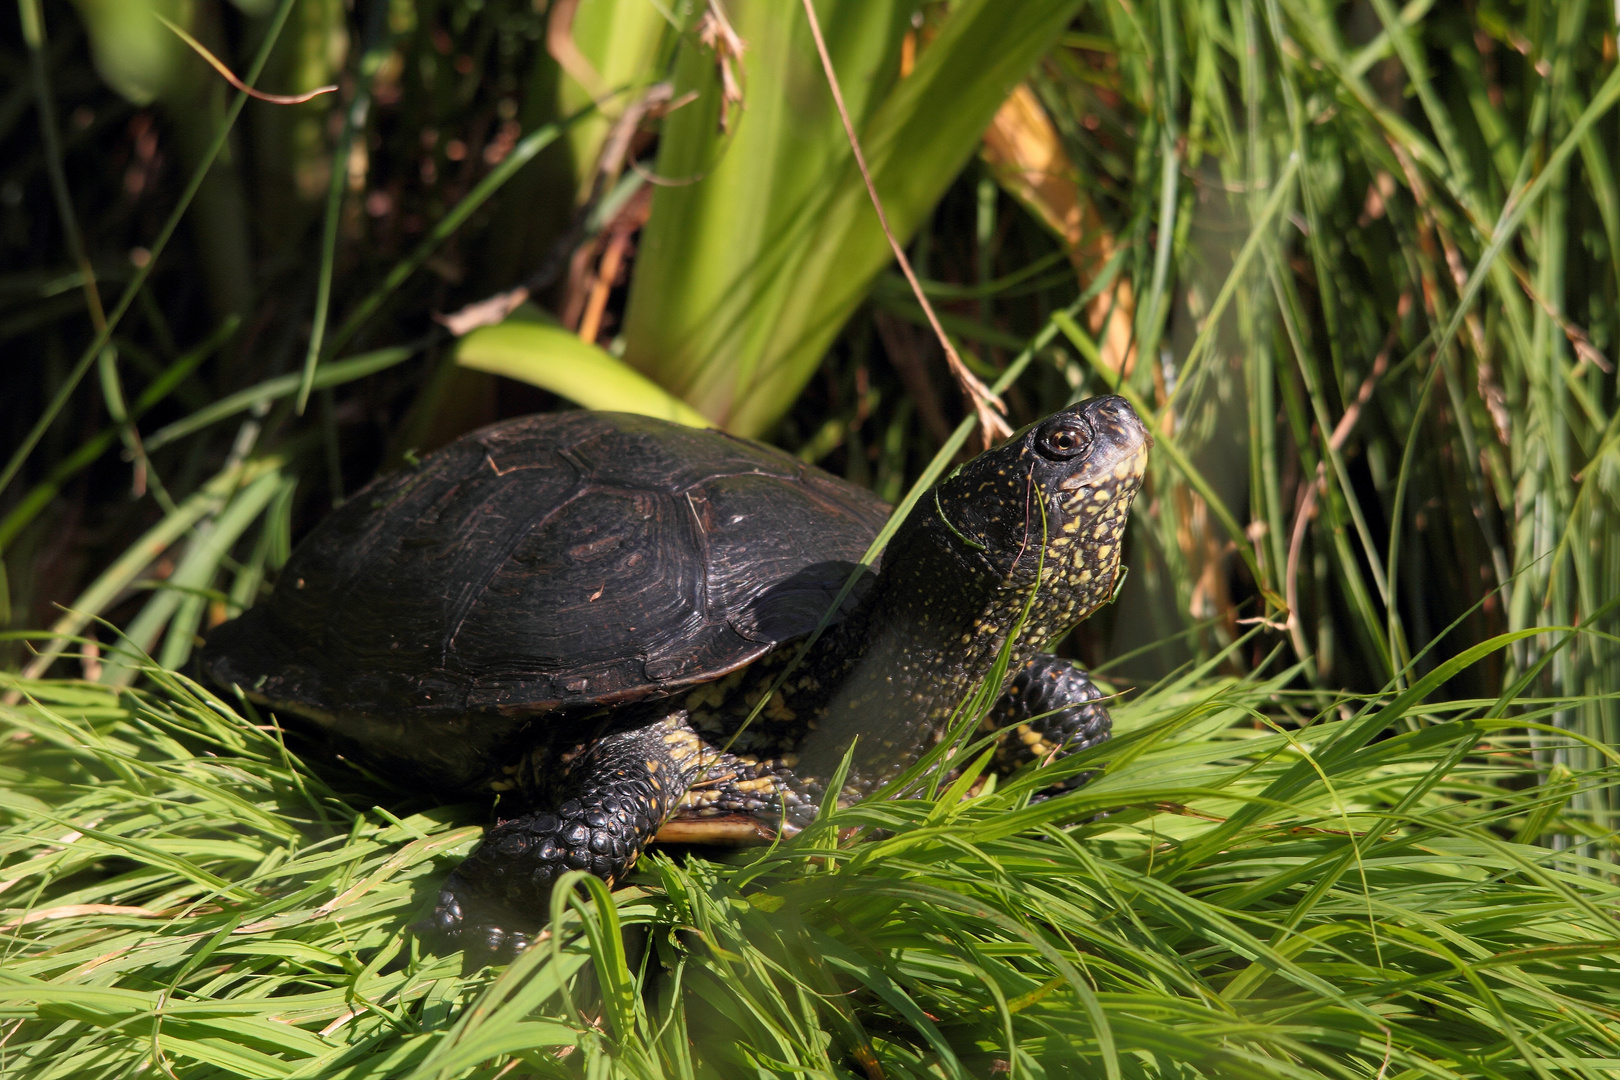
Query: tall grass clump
x,y
1356,264
1380,251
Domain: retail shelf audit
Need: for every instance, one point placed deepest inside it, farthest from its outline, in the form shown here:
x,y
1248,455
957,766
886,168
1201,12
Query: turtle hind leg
x,y
1050,709
604,813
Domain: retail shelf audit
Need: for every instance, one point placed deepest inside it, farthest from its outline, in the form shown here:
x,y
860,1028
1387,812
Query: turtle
x,y
579,612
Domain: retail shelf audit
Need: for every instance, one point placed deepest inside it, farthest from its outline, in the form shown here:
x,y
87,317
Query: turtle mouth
x,y
1125,471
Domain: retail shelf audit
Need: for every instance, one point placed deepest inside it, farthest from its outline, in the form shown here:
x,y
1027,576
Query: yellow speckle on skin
x,y
1106,551
1102,495
683,746
1072,526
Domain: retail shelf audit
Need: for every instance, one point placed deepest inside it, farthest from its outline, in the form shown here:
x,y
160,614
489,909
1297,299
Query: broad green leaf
x,y
752,261
554,359
138,56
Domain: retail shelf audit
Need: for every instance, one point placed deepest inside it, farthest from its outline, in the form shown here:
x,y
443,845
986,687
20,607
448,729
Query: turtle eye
x,y
1063,439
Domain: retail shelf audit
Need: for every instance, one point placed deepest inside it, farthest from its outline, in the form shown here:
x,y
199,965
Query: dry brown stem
x,y
715,32
560,44
230,76
986,405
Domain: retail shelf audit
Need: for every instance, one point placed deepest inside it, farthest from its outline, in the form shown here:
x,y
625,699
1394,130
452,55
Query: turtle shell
x,y
547,564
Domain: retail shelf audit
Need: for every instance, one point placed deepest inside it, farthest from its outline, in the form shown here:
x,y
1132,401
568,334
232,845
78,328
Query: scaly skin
x,y
1026,536
604,808
1050,709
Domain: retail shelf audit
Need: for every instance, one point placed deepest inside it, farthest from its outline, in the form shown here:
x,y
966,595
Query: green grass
x,y
1228,898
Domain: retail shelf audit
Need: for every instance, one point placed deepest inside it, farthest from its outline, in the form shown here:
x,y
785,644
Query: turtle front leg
x,y
1051,709
606,809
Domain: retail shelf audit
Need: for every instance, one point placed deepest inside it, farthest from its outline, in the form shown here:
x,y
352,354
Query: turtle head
x,y
1024,537
1053,500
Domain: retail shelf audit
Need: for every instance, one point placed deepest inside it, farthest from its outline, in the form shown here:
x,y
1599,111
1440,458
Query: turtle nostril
x,y
1116,414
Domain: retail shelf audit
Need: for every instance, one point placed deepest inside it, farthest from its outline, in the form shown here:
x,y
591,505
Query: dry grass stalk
x,y
989,408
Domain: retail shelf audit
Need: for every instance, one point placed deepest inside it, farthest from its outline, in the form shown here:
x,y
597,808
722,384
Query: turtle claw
x,y
447,913
485,933
494,904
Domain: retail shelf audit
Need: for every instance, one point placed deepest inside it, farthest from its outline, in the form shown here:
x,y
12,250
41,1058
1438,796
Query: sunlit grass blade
x,y
332,374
